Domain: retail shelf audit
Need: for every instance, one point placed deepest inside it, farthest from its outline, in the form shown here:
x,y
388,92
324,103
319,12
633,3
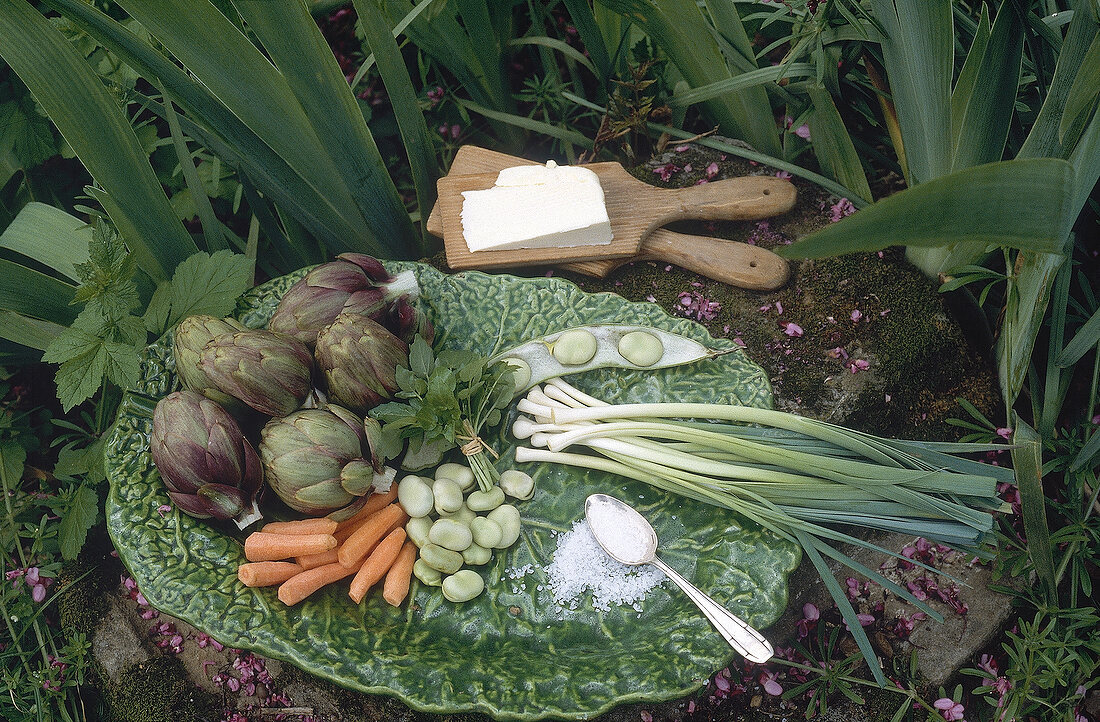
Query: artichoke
x,y
313,459
210,469
192,334
355,283
268,371
359,360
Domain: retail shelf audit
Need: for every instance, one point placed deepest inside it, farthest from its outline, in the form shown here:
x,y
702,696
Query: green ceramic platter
x,y
513,652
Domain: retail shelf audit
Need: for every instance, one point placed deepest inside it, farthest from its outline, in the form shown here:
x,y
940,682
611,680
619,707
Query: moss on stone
x,y
158,691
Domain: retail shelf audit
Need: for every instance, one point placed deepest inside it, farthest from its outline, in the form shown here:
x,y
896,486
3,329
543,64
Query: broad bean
x,y
459,474
574,347
427,574
485,500
475,555
450,534
641,348
463,586
506,517
415,496
445,560
486,532
417,530
517,484
464,515
448,495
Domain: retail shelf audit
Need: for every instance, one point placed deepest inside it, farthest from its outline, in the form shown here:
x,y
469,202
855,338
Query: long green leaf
x,y
751,79
682,32
1055,382
833,146
1018,204
1027,460
30,332
97,130
1086,86
987,108
918,52
410,119
584,20
304,59
564,48
1043,138
246,82
1085,339
1028,295
398,29
211,231
968,75
224,133
31,293
520,121
50,236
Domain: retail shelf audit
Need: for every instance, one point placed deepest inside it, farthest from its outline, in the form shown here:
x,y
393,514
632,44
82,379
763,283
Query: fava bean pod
x,y
603,346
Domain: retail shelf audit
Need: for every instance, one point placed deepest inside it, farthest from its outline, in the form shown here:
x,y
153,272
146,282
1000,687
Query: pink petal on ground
x,y
792,329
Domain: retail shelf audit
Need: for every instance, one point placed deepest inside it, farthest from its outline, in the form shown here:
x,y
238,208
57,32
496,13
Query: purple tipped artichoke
x,y
359,360
192,335
355,283
313,459
210,469
268,371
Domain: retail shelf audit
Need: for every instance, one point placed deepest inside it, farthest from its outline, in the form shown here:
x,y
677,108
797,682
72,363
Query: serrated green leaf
x,y
77,520
107,285
74,342
209,284
123,363
79,378
406,380
25,133
160,305
12,459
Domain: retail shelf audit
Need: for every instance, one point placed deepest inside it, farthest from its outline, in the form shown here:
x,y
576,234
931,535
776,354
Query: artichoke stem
x,y
403,284
249,516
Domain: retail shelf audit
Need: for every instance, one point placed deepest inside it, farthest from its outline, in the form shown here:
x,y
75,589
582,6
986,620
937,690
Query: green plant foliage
x,y
978,205
90,119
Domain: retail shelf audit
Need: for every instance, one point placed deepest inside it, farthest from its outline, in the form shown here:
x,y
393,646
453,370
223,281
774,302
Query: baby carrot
x,y
300,586
398,578
366,536
376,565
375,503
263,546
309,561
267,574
302,526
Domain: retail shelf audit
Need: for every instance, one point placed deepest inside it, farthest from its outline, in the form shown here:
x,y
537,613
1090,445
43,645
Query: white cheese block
x,y
536,206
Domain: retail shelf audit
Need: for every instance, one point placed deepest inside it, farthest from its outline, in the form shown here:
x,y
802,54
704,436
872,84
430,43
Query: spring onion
x,y
797,477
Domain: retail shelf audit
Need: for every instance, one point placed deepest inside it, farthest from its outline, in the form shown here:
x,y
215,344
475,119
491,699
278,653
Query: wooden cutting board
x,y
636,209
732,262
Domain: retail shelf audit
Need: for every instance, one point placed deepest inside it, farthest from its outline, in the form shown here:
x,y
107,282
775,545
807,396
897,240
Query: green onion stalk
x,y
794,476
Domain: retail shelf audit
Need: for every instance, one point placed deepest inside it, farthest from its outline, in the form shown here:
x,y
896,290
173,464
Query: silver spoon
x,y
628,538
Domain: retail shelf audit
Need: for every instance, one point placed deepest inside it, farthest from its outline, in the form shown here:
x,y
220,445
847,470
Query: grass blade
x,y
303,58
584,21
833,146
538,126
50,236
90,119
750,79
1018,204
410,119
1027,459
1055,384
210,226
1085,339
1025,307
986,110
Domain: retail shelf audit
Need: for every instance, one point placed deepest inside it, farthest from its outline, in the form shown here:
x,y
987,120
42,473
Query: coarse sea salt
x,y
580,564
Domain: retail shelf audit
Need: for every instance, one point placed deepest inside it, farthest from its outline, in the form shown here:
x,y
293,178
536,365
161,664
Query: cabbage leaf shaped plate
x,y
514,652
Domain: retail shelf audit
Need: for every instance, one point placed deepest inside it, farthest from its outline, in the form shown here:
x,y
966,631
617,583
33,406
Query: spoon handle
x,y
748,642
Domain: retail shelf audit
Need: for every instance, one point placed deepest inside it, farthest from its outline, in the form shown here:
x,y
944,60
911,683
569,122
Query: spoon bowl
x,y
629,539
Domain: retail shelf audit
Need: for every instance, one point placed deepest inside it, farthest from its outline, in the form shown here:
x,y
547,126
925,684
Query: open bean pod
x,y
584,348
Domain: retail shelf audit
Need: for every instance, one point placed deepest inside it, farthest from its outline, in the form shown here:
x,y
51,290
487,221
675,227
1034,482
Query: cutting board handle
x,y
733,199
732,262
